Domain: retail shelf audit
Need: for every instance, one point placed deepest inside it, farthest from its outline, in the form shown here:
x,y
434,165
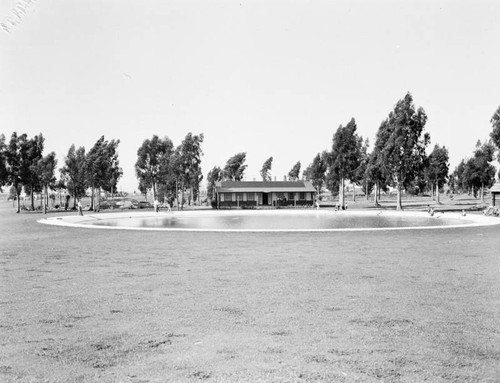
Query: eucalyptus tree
x,y
74,171
377,169
294,173
495,134
438,168
266,168
235,167
150,157
483,173
46,173
404,150
213,176
15,152
29,164
95,168
345,157
316,171
457,180
102,165
112,170
189,164
4,175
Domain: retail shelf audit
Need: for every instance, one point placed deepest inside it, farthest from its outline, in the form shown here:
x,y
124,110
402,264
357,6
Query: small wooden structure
x,y
495,191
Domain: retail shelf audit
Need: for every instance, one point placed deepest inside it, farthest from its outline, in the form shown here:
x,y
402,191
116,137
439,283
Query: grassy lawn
x,y
82,305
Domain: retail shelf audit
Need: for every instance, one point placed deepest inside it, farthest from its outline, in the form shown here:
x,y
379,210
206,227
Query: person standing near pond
x,y
79,206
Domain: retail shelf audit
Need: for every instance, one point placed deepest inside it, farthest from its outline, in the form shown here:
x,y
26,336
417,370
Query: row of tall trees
x,y
98,170
234,170
399,159
474,174
23,165
168,171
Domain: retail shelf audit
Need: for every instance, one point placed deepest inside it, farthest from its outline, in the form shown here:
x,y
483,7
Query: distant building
x,y
264,193
495,193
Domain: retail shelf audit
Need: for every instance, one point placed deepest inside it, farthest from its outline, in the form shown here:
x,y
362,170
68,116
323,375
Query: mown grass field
x,y
82,305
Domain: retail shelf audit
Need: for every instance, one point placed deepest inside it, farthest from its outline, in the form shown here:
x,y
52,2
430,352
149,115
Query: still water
x,y
279,221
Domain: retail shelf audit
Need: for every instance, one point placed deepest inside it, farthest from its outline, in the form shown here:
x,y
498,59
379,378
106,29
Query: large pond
x,y
273,220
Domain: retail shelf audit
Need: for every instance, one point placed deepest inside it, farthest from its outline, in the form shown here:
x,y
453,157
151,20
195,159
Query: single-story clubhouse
x,y
264,193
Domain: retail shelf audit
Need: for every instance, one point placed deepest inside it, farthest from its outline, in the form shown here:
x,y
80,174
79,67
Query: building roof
x,y
495,188
264,186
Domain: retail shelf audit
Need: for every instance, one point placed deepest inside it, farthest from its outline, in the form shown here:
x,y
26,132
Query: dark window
x,y
228,196
291,196
302,195
280,195
250,197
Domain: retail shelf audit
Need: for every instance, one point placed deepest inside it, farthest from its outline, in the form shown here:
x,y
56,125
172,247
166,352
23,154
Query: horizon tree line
x,y
23,166
398,160
166,170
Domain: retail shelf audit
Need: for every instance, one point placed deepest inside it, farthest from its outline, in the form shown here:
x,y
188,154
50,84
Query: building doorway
x,y
265,199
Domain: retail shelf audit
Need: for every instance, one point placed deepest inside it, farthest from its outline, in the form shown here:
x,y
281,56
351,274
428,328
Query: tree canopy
x,y
150,156
294,173
438,167
214,176
266,168
345,157
74,170
315,172
404,143
4,175
235,167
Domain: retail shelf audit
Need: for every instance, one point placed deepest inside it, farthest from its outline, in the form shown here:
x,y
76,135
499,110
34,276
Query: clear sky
x,y
270,78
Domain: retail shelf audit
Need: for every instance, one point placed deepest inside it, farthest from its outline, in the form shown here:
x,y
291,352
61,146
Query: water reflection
x,y
279,222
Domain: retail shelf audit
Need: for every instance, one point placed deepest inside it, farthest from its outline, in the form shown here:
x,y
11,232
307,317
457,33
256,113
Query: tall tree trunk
x,y
432,191
399,205
98,205
46,200
32,199
376,193
154,190
366,190
182,196
18,201
341,192
353,192
437,192
177,193
482,192
92,199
